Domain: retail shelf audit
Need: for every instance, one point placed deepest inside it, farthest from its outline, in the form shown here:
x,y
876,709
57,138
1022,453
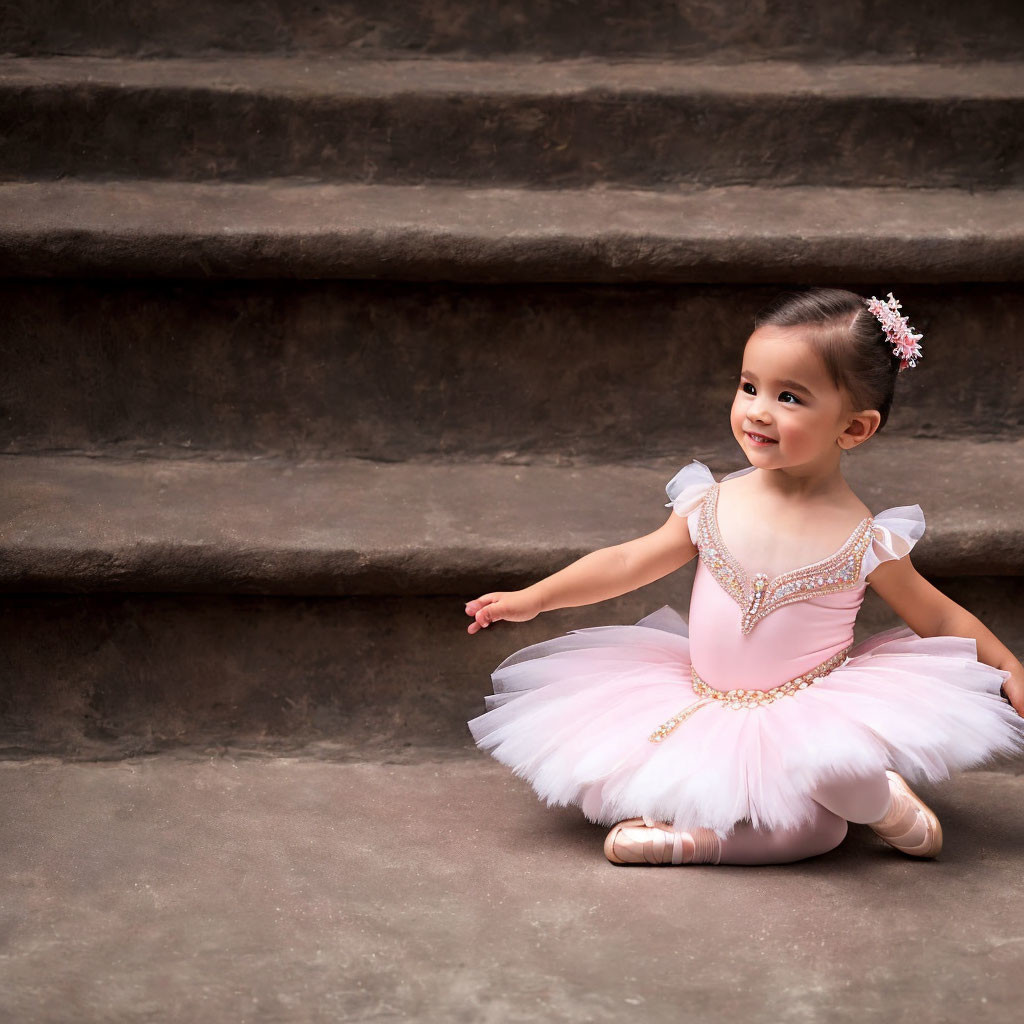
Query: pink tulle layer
x,y
573,715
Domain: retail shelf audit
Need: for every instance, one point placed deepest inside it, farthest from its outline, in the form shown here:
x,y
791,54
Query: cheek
x,y
797,427
736,412
736,419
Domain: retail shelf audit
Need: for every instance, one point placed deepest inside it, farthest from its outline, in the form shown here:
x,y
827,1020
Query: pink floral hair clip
x,y
897,330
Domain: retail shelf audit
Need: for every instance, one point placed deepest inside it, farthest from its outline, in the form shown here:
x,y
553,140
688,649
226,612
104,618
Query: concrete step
x,y
399,371
913,30
515,122
355,527
108,676
283,229
319,608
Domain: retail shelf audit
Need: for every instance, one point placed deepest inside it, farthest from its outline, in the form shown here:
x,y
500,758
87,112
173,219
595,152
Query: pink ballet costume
x,y
629,721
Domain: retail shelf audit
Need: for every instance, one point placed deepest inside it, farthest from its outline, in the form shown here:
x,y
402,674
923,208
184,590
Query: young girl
x,y
753,735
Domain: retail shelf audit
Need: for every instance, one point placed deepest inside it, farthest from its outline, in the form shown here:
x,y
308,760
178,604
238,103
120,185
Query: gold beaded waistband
x,y
738,699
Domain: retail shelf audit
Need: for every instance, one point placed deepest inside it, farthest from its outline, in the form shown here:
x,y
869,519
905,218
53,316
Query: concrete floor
x,y
234,889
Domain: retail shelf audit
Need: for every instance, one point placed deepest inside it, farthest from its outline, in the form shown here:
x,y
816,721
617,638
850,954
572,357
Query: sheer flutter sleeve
x,y
893,534
686,491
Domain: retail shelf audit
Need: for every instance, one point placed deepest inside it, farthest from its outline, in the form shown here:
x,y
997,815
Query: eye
x,y
746,384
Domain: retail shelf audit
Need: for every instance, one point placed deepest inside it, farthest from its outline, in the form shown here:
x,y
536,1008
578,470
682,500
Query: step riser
x,y
693,28
195,134
399,371
139,673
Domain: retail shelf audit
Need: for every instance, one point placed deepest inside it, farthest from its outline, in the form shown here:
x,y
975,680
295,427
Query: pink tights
x,y
855,798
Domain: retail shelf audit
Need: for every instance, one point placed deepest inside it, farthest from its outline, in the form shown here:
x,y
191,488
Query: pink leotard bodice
x,y
754,632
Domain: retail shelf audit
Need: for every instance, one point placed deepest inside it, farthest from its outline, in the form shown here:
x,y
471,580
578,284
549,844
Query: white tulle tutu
x,y
573,715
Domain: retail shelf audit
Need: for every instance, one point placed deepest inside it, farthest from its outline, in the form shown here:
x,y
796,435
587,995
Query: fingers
x,y
484,610
481,621
492,613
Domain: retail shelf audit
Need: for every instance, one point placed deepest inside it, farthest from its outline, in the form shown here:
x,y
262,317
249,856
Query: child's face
x,y
784,393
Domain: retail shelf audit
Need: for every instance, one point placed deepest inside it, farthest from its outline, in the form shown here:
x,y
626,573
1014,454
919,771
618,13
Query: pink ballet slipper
x,y
641,841
909,825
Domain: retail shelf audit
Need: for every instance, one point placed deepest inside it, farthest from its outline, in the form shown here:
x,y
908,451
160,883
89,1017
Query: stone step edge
x,y
355,527
674,27
286,229
584,77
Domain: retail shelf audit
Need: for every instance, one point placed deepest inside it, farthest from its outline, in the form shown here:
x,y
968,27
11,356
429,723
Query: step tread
x,y
369,77
74,523
285,228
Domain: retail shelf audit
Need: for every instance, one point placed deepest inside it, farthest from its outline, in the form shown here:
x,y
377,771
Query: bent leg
x,y
859,798
748,845
890,807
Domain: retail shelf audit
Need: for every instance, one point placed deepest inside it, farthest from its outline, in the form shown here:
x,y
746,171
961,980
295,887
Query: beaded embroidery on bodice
x,y
760,596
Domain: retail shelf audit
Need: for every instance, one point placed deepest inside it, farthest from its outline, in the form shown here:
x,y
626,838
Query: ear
x,y
859,428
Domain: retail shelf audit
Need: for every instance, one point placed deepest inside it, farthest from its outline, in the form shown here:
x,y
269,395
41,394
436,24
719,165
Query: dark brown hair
x,y
853,347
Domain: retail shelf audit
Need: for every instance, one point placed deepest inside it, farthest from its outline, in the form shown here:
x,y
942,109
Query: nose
x,y
757,411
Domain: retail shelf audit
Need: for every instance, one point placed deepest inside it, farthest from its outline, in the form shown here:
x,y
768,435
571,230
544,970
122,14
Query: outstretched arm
x,y
597,576
929,612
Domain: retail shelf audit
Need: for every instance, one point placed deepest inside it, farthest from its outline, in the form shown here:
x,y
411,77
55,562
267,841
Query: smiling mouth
x,y
761,438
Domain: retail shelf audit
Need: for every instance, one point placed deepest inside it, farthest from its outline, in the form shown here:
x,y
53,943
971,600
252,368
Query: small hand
x,y
514,606
1014,690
